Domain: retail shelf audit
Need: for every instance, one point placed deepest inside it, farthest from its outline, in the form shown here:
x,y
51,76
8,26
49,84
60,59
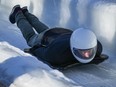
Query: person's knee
x,y
34,40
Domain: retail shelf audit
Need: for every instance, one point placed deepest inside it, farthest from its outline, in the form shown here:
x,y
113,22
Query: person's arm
x,y
99,48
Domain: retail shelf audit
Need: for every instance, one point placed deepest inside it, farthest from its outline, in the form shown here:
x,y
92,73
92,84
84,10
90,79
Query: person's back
x,y
56,47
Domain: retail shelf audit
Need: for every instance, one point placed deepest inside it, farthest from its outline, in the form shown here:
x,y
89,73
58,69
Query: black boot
x,y
24,9
13,13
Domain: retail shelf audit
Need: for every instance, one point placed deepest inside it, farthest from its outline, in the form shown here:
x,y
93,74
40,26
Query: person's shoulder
x,y
60,29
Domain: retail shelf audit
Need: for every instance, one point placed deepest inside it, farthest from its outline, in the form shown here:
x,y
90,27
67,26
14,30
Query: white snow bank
x,y
18,69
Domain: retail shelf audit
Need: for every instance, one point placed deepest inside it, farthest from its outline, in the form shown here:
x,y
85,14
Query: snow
x,y
19,69
23,70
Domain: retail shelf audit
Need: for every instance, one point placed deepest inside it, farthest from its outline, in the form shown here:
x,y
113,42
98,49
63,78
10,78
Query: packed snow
x,y
19,69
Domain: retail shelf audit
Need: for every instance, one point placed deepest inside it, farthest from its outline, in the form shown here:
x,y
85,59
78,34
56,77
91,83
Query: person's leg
x,y
27,30
34,21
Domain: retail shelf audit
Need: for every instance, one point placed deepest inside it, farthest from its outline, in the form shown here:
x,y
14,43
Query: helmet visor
x,y
85,53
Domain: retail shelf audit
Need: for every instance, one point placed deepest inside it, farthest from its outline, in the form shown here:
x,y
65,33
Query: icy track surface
x,y
18,69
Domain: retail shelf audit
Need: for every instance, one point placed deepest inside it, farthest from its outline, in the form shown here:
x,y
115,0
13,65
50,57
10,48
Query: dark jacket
x,y
55,47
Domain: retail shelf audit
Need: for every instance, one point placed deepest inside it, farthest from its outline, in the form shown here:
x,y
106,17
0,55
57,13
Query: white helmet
x,y
83,44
